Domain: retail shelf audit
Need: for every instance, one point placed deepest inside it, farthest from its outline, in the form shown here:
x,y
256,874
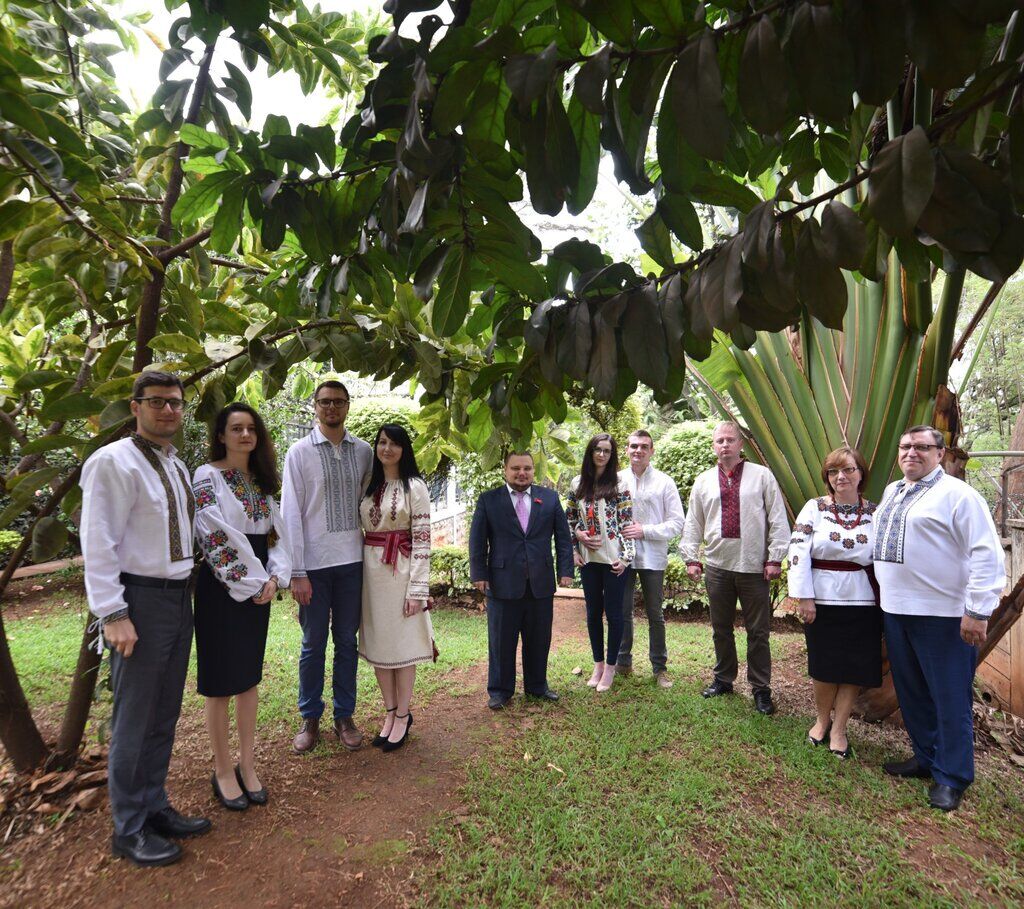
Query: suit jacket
x,y
505,556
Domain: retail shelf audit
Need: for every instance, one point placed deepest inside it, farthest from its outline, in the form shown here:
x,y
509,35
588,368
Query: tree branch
x,y
231,263
12,427
141,200
6,271
172,252
986,304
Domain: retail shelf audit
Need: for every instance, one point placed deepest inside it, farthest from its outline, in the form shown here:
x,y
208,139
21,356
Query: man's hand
x,y
302,590
694,572
414,606
565,582
807,611
633,531
592,543
121,636
618,567
772,572
973,631
577,559
482,586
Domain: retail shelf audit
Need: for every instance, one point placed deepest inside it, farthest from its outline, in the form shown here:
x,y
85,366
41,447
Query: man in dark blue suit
x,y
510,560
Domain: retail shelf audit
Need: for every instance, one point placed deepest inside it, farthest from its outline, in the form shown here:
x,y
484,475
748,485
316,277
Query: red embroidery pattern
x,y
729,488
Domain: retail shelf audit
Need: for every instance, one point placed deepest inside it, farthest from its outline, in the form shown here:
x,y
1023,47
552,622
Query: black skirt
x,y
231,637
844,645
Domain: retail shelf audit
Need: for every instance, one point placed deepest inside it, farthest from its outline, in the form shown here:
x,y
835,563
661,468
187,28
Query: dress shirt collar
x,y
320,439
516,492
928,480
169,450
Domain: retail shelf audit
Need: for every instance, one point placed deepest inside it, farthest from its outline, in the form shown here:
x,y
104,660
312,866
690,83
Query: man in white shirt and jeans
x,y
736,510
658,517
136,531
324,476
941,570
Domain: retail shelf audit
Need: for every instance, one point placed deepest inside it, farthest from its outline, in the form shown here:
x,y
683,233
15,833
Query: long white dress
x,y
388,639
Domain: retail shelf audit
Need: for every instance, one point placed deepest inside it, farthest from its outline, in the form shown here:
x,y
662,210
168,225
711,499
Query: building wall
x,y
1001,676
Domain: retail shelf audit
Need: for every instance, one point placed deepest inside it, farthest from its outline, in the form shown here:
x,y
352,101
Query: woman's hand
x,y
266,593
577,559
807,611
414,606
618,566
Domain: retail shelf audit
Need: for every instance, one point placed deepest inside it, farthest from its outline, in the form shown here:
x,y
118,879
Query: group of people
x,y
350,536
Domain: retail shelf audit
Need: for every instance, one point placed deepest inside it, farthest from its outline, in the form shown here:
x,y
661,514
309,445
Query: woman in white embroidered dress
x,y
830,574
598,508
245,562
396,632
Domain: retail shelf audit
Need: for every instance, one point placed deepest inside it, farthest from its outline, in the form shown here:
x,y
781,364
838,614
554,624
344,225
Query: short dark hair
x,y
262,459
509,455
836,458
642,434
159,379
330,383
938,440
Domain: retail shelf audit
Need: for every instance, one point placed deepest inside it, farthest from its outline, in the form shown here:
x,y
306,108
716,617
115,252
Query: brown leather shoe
x,y
624,670
308,737
663,680
348,736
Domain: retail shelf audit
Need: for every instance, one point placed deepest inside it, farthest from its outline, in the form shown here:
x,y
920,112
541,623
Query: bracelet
x,y
976,615
118,616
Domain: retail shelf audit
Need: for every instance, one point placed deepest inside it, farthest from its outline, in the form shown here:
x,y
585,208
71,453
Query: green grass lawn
x,y
45,648
646,797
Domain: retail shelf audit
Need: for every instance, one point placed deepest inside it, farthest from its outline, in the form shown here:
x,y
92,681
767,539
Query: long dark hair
x,y
262,459
407,468
591,485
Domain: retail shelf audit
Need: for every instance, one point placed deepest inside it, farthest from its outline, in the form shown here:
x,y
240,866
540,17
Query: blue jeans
x,y
603,592
336,603
933,670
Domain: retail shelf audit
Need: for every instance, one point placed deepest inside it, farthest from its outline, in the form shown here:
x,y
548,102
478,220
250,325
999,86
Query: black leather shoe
x,y
171,823
547,694
716,688
389,746
943,797
763,702
145,848
237,804
497,702
907,769
255,797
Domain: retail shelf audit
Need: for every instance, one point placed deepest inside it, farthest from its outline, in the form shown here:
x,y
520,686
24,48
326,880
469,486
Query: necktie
x,y
521,511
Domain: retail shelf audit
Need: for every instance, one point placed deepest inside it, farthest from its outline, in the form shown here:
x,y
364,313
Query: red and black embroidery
x,y
729,489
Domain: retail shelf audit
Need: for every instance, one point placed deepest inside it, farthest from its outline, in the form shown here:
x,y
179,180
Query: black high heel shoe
x,y
255,797
379,740
811,740
238,804
394,746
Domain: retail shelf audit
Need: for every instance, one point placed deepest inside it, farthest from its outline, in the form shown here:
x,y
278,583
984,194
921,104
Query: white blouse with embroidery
x,y
817,534
229,506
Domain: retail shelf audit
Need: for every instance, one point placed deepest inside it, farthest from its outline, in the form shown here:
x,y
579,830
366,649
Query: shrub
x,y
449,570
684,452
367,417
9,540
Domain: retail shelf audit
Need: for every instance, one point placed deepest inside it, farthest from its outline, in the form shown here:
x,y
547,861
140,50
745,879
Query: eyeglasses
x,y
845,471
603,451
328,403
918,447
157,403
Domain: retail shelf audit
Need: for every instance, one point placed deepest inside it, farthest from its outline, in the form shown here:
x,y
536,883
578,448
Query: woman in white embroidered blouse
x,y
830,574
396,632
245,562
598,507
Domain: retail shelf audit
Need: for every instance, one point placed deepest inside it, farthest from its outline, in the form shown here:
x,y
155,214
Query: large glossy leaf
x,y
763,80
451,304
823,60
655,241
201,197
695,88
643,337
49,537
901,181
679,214
602,373
944,44
586,130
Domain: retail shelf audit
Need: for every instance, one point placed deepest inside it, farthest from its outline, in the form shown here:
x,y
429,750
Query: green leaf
x,y
575,342
654,238
15,109
227,223
665,15
876,33
453,95
73,407
681,217
717,189
529,75
507,262
451,304
643,337
49,537
177,343
239,84
518,12
201,138
586,130
820,284
844,239
50,443
612,18
292,148
821,55
901,181
38,378
695,89
201,197
945,45
592,78
763,80
602,372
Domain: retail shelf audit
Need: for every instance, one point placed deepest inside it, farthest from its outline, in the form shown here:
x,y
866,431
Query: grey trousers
x,y
755,599
652,583
148,688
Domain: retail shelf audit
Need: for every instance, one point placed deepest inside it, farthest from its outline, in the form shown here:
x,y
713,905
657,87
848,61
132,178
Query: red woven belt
x,y
393,542
838,565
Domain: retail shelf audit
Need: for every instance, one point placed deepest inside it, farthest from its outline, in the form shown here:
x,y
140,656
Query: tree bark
x,y
6,271
18,731
76,714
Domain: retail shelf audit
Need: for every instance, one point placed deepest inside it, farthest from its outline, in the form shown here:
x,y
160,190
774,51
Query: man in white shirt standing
x,y
940,568
658,517
137,529
736,510
324,475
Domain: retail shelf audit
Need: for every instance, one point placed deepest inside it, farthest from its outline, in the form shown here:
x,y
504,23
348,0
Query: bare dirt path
x,y
342,829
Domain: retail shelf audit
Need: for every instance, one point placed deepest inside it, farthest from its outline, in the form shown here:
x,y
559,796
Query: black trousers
x,y
530,617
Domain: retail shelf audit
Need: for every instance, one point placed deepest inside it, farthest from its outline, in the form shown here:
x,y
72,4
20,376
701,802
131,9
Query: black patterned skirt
x,y
231,637
844,645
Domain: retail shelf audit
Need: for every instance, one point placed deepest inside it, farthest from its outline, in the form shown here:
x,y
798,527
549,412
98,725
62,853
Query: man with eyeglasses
x,y
736,511
324,475
940,569
137,540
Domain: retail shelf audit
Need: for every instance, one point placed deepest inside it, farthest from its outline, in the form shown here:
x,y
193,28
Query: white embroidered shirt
x,y
658,507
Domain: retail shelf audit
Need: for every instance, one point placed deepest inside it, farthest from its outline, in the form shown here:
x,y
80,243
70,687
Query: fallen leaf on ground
x,y
527,757
555,767
577,670
88,799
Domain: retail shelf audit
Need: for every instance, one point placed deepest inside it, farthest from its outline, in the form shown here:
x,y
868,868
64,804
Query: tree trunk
x,y
21,739
76,714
